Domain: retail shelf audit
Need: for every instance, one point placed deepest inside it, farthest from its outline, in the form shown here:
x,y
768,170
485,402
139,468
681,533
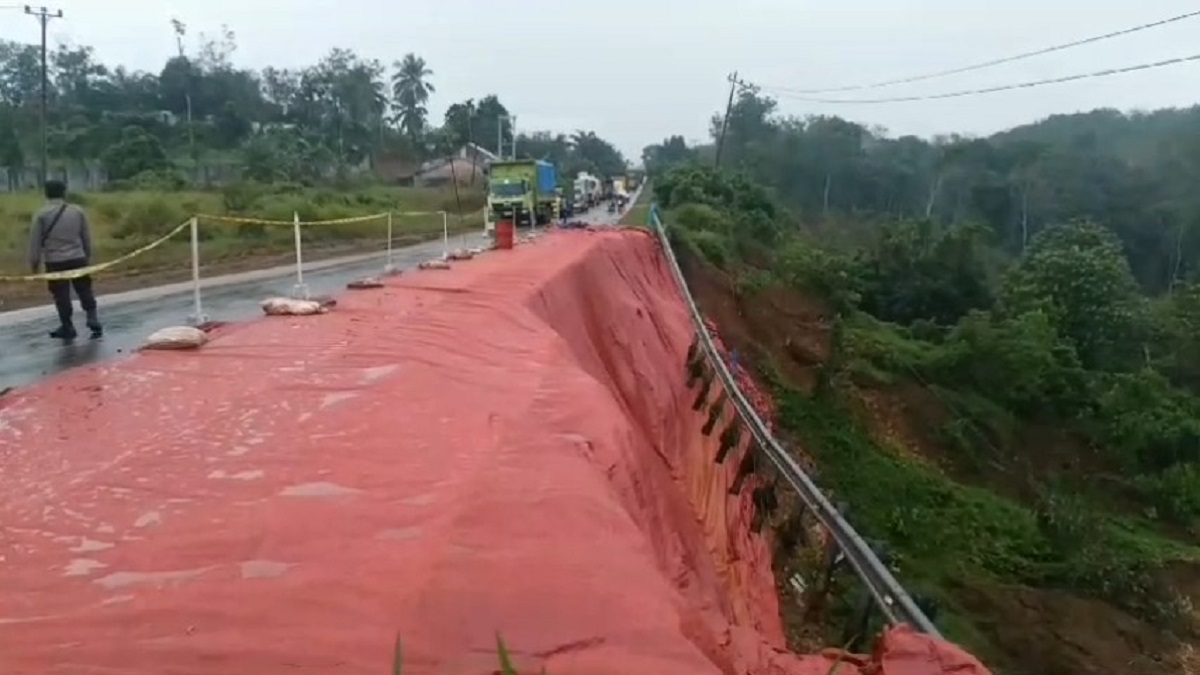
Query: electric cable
x,y
785,93
1007,59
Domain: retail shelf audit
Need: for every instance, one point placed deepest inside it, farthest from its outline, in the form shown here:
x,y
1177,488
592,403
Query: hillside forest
x,y
989,349
303,125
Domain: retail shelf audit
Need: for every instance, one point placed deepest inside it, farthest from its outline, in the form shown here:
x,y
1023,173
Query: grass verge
x,y
639,214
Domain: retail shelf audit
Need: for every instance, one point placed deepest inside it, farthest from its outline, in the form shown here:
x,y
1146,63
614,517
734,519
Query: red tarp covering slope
x,y
505,447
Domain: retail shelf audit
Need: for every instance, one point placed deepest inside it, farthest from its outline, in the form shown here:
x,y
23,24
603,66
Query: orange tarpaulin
x,y
507,447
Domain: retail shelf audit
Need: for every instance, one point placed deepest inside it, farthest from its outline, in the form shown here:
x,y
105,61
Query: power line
x,y
1007,59
990,90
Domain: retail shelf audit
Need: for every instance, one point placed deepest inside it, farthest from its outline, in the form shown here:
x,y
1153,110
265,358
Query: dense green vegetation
x,y
341,115
1035,299
1133,173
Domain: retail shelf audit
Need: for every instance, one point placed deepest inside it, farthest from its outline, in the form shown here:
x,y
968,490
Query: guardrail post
x,y
854,633
198,317
300,290
705,386
765,505
730,439
745,468
696,370
714,413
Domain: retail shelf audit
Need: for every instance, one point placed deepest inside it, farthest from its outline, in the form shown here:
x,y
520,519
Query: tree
x,y
338,114
137,152
672,152
1078,275
458,123
486,124
597,155
410,92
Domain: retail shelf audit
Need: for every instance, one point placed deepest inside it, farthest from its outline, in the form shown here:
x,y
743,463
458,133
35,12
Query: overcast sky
x,y
638,70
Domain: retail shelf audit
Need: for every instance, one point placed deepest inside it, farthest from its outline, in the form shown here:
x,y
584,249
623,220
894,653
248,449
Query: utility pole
x,y
512,129
43,16
180,31
470,148
734,83
500,136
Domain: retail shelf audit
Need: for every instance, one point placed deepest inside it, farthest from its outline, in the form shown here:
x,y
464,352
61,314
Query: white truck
x,y
587,191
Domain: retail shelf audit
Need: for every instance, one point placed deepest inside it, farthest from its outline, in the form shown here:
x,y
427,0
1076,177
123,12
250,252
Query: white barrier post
x,y
445,236
299,291
390,266
198,317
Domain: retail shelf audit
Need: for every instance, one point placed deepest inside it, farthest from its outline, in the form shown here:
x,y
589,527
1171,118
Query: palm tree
x,y
410,93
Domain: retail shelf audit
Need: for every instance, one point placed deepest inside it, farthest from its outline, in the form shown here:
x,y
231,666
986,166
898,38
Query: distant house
x,y
395,169
447,171
468,166
479,154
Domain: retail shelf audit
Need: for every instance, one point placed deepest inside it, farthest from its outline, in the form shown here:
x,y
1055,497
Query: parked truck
x,y
521,190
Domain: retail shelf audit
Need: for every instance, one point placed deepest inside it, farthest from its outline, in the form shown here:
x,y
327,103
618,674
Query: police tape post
x,y
198,318
389,266
299,291
445,236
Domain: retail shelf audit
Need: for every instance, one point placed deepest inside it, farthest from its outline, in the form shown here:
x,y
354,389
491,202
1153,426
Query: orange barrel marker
x,y
504,234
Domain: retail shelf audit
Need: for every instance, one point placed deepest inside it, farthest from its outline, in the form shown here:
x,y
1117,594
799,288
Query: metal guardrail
x,y
889,596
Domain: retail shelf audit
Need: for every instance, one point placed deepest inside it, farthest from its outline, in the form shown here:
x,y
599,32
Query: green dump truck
x,y
522,190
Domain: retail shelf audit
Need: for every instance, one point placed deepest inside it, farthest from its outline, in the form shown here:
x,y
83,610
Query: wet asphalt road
x,y
28,354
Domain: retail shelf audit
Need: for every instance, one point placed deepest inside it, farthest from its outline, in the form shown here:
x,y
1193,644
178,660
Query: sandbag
x,y
369,282
176,337
292,307
434,265
459,254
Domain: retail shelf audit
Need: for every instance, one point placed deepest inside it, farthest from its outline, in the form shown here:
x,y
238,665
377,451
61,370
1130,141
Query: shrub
x,y
149,218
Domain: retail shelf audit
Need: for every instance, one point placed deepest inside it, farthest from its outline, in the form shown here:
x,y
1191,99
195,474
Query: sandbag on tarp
x,y
292,307
369,282
175,338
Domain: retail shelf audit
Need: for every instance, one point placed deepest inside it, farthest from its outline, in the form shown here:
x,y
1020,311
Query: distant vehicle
x,y
587,190
522,190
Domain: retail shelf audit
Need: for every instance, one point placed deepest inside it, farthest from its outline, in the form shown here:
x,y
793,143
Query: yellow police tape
x,y
92,269
259,221
234,220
